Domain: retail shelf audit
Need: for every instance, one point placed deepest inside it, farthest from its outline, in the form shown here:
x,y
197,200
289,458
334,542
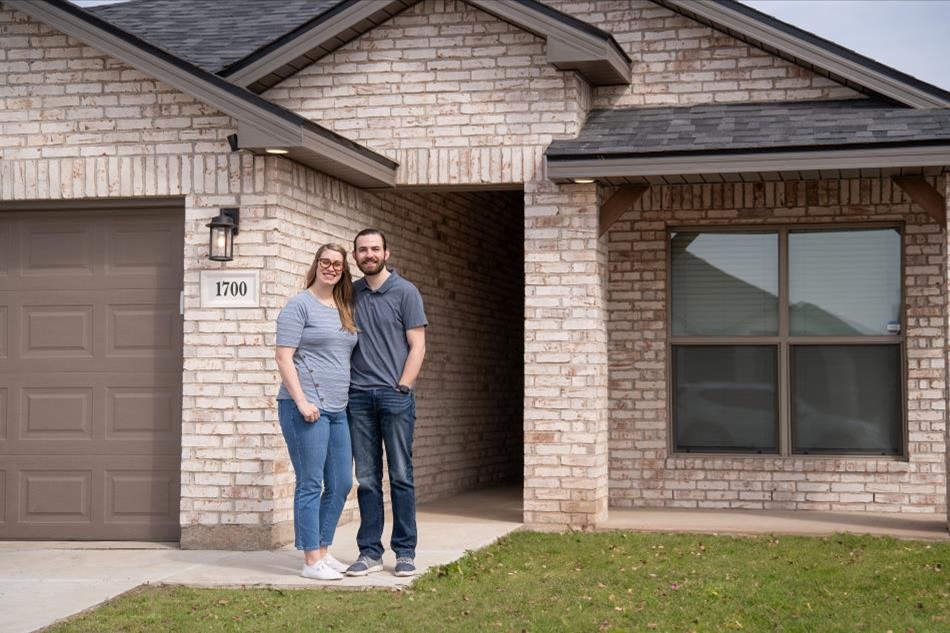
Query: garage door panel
x,y
141,496
4,331
4,412
55,496
55,249
90,374
142,413
56,413
141,248
142,330
56,331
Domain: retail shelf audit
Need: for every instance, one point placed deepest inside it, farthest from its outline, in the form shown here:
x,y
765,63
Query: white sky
x,y
910,35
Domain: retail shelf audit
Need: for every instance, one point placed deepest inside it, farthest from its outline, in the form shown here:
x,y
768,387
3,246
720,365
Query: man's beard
x,y
370,268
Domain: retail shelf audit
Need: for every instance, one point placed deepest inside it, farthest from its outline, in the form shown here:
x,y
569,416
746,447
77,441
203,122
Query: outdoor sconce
x,y
223,229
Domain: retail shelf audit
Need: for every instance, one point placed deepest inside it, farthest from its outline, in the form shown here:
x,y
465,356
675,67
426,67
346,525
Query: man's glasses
x,y
327,264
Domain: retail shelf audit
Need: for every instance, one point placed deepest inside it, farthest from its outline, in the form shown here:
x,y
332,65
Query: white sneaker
x,y
333,563
320,571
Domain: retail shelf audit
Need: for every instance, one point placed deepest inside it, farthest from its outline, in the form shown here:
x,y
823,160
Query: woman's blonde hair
x,y
342,289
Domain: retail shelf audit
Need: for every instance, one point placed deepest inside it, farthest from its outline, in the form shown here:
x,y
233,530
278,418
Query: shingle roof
x,y
211,33
752,127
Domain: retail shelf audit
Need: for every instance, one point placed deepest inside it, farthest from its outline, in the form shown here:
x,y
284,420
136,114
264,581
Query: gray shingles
x,y
753,126
211,33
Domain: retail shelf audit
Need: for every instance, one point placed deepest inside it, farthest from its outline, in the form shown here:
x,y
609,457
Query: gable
x,y
679,61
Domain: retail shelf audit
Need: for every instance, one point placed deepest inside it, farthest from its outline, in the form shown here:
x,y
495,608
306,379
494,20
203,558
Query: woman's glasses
x,y
328,264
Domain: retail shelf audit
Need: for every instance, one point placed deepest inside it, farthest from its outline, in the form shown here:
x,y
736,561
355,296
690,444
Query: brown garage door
x,y
90,373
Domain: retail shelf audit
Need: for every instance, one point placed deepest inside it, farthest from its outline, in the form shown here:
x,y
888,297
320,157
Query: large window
x,y
787,341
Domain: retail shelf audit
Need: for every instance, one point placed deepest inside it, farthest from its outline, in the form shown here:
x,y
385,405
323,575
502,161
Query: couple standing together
x,y
348,355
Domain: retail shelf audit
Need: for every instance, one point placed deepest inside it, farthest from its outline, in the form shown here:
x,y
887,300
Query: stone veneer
x,y
642,470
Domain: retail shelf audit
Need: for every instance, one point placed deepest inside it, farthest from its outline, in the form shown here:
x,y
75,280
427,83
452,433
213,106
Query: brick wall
x,y
678,61
453,94
644,473
76,124
463,251
565,363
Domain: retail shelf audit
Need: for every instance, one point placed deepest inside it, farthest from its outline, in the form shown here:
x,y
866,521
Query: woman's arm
x,y
288,373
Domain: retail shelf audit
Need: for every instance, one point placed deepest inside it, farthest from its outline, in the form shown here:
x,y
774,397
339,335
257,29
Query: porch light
x,y
221,239
583,181
276,150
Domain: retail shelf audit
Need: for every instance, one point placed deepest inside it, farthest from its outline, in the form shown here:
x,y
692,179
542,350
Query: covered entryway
x,y
90,371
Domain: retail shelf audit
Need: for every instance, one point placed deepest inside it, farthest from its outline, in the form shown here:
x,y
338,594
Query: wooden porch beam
x,y
924,196
617,205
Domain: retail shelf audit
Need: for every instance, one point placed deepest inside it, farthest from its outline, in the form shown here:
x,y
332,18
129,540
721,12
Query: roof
x,y
211,34
752,126
711,143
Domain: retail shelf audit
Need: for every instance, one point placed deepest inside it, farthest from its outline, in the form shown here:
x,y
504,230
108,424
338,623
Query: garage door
x,y
90,374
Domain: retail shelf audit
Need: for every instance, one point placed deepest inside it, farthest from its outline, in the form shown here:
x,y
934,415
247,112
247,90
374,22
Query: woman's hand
x,y
309,411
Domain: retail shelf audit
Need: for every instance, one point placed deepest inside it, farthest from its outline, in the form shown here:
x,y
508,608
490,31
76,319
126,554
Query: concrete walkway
x,y
42,582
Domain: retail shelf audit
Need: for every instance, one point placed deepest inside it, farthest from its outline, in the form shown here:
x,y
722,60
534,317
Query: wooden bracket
x,y
617,204
924,196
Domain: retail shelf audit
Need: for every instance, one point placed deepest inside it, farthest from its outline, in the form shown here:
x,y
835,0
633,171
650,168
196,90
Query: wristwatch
x,y
403,389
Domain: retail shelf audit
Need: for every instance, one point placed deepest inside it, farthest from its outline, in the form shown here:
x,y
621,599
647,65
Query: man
x,y
382,408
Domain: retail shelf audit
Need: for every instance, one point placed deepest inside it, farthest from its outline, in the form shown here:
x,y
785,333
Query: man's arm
x,y
417,352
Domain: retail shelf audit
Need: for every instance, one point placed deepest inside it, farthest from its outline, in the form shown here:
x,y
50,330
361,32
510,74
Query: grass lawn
x,y
596,582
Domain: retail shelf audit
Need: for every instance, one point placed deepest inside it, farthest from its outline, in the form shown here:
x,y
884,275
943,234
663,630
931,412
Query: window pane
x,y
724,284
725,398
846,399
844,283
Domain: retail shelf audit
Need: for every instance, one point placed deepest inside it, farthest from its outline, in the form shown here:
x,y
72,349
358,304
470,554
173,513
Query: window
x,y
787,341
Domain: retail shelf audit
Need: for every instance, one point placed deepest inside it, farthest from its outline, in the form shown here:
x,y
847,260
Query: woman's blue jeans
x,y
323,464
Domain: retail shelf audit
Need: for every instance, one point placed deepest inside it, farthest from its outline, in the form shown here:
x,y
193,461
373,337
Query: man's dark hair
x,y
370,231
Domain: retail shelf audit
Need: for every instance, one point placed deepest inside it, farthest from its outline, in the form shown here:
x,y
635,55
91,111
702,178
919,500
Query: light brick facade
x,y
678,61
643,472
560,375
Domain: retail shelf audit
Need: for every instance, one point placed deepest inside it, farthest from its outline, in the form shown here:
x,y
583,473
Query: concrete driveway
x,y
43,582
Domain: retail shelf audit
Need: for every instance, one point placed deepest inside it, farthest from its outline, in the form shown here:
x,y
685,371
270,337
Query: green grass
x,y
596,582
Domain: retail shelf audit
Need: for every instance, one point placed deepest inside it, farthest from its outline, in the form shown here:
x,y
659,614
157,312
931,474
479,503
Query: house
x,y
674,254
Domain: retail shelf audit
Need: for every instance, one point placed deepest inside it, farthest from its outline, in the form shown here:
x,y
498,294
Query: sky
x,y
910,35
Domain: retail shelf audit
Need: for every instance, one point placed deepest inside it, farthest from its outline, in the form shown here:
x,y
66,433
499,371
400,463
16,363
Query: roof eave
x,y
570,168
282,128
325,33
727,18
571,44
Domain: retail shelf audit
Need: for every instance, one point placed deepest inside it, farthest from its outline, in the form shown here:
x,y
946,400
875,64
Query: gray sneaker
x,y
364,565
405,566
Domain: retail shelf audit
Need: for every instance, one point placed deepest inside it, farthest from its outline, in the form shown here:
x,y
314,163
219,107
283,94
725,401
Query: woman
x,y
316,335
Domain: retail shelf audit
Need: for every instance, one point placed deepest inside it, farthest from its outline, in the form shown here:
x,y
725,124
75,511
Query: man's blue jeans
x,y
384,417
322,457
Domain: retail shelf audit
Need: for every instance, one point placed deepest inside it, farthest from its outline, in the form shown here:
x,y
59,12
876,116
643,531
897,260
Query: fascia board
x,y
319,35
728,18
382,175
747,163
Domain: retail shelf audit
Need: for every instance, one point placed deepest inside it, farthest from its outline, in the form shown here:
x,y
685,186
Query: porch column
x,y
565,417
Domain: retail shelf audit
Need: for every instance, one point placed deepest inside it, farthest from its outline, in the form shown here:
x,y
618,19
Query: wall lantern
x,y
223,229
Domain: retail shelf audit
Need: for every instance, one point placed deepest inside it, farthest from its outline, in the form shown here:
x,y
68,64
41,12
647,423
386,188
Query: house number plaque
x,y
230,288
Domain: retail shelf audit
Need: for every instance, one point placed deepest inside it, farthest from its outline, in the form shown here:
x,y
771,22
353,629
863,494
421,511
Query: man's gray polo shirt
x,y
383,316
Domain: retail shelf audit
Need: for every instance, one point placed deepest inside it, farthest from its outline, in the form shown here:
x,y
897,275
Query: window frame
x,y
783,341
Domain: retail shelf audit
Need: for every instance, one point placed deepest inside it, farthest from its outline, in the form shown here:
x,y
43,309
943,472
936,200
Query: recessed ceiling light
x,y
276,150
583,181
